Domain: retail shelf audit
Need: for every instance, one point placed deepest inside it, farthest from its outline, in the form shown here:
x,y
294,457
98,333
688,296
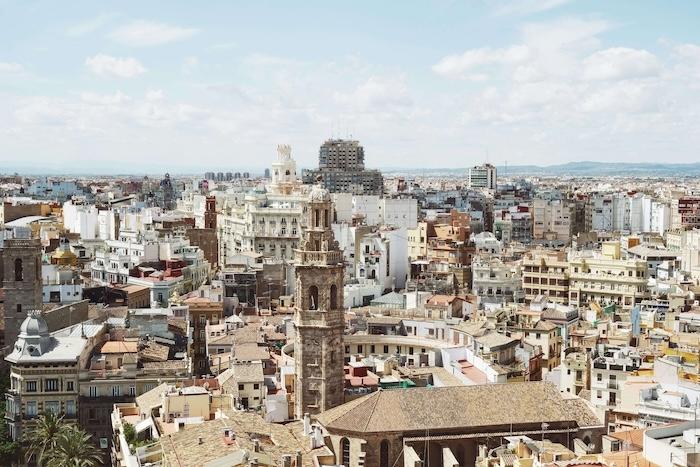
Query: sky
x,y
136,87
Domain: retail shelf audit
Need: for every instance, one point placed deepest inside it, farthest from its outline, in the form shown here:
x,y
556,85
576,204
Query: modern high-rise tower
x,y
341,163
318,316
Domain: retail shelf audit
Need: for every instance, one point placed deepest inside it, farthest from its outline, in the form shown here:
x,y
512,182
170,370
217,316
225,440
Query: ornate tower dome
x,y
34,338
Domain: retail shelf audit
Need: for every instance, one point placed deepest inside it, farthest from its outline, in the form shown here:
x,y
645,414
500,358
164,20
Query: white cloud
x,y
106,65
148,33
190,64
224,46
622,97
620,63
524,7
7,67
378,94
462,65
90,25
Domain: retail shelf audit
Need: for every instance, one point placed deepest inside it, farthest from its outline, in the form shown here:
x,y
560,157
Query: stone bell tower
x,y
318,315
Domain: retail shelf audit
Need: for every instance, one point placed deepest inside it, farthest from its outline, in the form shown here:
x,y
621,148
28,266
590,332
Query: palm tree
x,y
42,438
74,448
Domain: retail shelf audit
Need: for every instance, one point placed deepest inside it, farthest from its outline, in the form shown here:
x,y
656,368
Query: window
x,y
386,349
599,377
241,387
52,406
31,409
69,385
19,270
313,298
359,348
31,386
70,408
51,385
599,394
256,386
384,454
202,319
116,391
93,391
334,297
345,451
132,391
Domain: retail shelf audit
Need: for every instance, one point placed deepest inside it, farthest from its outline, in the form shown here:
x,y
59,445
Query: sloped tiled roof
x,y
419,409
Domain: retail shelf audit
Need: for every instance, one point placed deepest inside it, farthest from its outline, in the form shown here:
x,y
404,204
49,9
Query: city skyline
x,y
186,89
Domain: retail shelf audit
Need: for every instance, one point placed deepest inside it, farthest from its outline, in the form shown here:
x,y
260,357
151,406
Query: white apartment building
x,y
496,282
375,210
482,176
113,262
382,257
266,221
629,212
608,372
60,284
89,222
486,242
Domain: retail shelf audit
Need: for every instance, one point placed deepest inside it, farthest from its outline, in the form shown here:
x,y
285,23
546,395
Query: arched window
x,y
334,297
19,270
313,298
384,454
345,451
317,216
287,172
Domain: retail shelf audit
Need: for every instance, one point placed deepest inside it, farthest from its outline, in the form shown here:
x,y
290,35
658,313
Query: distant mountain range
x,y
580,169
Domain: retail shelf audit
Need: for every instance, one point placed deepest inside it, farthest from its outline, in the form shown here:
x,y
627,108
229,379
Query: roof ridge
x,y
371,412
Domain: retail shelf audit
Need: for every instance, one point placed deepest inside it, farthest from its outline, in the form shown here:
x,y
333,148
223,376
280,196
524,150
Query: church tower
x,y
284,171
20,276
319,316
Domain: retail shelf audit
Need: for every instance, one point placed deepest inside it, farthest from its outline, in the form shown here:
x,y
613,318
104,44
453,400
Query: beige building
x,y
607,279
552,219
246,382
546,273
418,241
44,370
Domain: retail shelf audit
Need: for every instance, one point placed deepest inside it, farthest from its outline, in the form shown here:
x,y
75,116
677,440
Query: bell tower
x,y
318,316
20,276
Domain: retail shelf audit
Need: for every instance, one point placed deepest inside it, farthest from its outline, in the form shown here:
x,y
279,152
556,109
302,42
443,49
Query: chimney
x,y
307,424
286,460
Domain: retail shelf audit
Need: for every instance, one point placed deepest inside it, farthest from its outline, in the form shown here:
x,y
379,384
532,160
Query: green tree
x,y
74,448
8,449
41,440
